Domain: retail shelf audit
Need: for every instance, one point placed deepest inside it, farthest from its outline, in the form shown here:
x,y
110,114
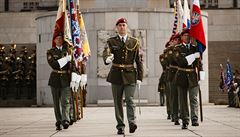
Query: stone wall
x,y
155,26
18,28
224,39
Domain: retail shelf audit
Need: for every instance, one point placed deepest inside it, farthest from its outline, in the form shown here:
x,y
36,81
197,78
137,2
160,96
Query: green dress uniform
x,y
173,67
123,75
59,82
187,83
162,80
167,91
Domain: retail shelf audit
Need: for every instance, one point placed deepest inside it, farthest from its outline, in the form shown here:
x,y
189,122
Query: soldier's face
x,y
185,38
58,40
176,41
122,29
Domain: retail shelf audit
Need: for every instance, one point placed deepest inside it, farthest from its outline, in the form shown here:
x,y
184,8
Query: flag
x,y
75,29
222,85
67,31
83,35
174,31
229,77
197,30
180,16
186,15
59,25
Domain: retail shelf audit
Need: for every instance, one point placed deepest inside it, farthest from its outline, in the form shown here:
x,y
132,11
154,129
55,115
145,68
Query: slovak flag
x,y
186,15
197,30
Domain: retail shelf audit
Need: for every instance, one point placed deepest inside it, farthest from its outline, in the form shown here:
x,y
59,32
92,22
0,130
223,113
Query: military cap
x,y
167,44
56,34
121,20
185,31
176,36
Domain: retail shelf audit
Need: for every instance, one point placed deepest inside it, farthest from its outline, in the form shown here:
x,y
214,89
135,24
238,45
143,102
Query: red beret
x,y
176,36
121,20
185,31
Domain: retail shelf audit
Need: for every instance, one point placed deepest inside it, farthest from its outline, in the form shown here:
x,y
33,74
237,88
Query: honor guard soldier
x,y
167,90
62,78
162,80
123,51
3,73
187,58
175,40
30,78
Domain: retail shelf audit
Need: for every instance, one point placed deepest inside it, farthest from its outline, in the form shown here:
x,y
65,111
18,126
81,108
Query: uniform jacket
x,y
172,64
59,80
124,54
183,78
162,80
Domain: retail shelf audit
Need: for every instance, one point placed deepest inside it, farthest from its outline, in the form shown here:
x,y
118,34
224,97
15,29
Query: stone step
x,y
109,102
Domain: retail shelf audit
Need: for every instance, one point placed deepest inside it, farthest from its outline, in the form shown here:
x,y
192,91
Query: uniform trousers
x,y
117,92
184,110
168,99
174,101
61,102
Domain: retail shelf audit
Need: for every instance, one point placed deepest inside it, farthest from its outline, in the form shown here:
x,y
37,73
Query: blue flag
x,y
229,76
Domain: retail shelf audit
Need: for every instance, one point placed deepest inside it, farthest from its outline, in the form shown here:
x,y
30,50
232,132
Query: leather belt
x,y
60,71
185,69
172,66
122,65
2,72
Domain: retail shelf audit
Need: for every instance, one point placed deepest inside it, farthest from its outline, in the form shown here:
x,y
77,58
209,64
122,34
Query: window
x,y
30,5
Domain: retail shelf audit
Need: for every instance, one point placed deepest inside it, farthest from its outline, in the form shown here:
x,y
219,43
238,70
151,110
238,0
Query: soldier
x,y
175,40
167,90
30,75
60,61
187,58
122,51
162,87
162,81
18,75
3,73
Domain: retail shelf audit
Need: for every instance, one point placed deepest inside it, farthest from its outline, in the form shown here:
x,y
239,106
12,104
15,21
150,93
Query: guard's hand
x,y
72,84
139,82
110,58
83,81
197,55
68,57
76,86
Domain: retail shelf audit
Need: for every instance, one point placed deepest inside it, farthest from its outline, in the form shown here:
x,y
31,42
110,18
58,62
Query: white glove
x,y
202,75
69,57
74,84
83,81
197,55
110,58
190,58
64,60
139,82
